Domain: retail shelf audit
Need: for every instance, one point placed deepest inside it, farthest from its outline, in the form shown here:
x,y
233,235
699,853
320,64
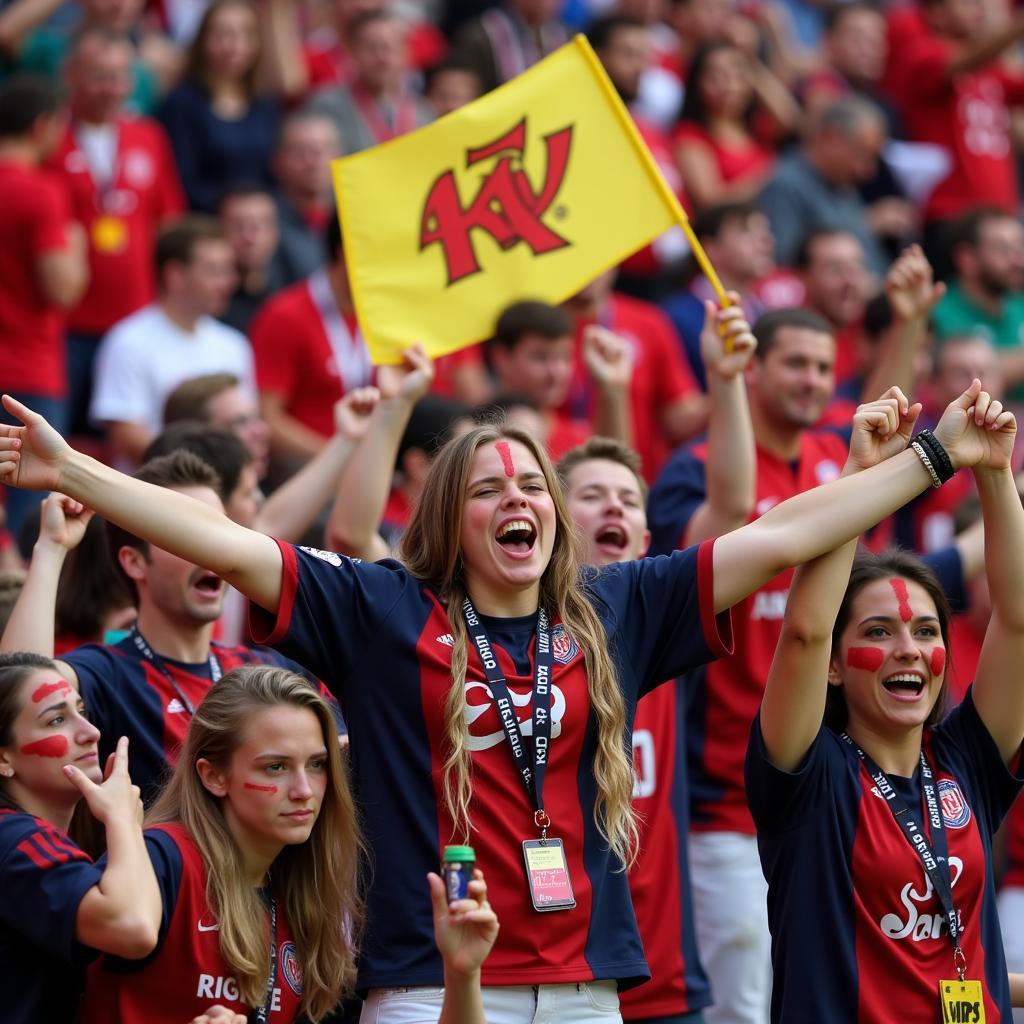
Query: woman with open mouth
x,y
489,683
875,808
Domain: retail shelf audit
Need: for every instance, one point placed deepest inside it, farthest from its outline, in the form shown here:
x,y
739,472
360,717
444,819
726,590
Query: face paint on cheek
x,y
44,691
506,458
52,746
938,660
870,658
259,789
899,588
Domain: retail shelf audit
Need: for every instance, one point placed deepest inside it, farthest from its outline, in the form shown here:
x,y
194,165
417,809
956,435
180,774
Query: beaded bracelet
x,y
923,456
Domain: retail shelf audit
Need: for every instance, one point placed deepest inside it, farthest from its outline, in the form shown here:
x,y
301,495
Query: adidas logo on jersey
x,y
175,707
447,639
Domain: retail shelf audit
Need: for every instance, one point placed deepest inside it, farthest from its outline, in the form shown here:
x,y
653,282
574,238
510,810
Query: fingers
x,y
23,412
438,895
362,400
1005,421
83,784
966,400
120,763
981,407
901,399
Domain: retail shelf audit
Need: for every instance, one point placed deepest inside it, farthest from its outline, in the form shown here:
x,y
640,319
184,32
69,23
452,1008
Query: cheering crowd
x,y
698,621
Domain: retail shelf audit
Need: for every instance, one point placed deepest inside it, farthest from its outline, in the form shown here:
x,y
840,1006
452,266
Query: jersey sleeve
x,y
44,877
964,746
780,801
331,609
679,491
664,616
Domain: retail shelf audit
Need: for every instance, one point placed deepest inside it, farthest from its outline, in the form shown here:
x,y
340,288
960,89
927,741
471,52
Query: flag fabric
x,y
527,193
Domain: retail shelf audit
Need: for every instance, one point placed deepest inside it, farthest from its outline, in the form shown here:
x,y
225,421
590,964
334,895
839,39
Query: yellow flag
x,y
529,192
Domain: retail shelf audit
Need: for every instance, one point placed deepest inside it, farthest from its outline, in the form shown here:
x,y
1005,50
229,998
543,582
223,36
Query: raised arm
x,y
794,697
355,518
122,913
290,511
36,457
998,692
820,520
609,364
726,345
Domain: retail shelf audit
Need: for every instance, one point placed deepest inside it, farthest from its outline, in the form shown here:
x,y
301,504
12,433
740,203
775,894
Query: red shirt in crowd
x,y
328,64
734,162
660,374
33,216
308,353
121,220
969,117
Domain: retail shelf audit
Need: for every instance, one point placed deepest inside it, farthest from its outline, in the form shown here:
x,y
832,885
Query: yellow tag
x,y
109,234
963,1002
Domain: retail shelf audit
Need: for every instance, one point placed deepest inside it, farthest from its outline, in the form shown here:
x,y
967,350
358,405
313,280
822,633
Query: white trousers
x,y
588,1001
730,909
1011,921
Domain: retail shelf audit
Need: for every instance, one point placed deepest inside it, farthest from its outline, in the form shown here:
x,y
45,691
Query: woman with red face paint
x,y
489,682
57,907
875,808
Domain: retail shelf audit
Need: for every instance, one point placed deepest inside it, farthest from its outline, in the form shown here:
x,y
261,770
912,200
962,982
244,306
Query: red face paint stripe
x,y
259,789
870,658
899,588
938,660
52,746
506,458
44,691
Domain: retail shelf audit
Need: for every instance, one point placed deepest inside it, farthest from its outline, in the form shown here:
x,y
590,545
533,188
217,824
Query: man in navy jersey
x,y
146,685
789,384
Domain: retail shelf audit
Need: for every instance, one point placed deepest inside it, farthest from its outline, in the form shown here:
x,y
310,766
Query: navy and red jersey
x,y
858,934
659,878
127,695
43,877
186,973
724,696
382,641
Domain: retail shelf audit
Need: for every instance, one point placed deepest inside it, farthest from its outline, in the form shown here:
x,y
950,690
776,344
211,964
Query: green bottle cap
x,y
458,854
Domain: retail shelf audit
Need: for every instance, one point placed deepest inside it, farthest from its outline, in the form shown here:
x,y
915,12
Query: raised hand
x,y
881,429
352,412
726,340
408,380
33,455
116,796
63,521
976,431
909,285
607,357
464,930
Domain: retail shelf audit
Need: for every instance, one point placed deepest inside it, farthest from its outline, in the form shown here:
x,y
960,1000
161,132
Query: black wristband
x,y
937,453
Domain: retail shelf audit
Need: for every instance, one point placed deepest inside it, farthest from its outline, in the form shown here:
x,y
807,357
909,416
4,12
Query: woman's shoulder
x,y
17,826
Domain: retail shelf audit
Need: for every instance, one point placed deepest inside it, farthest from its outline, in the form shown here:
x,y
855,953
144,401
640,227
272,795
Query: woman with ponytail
x,y
489,683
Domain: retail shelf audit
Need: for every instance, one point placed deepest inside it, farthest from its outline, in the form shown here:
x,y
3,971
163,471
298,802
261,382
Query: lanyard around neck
x,y
160,665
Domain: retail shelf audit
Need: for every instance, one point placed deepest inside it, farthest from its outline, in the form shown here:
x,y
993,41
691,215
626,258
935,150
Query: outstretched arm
x,y
726,345
36,457
820,520
355,518
998,693
794,697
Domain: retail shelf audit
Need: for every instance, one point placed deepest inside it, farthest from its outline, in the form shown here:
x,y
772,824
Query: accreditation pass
x,y
548,875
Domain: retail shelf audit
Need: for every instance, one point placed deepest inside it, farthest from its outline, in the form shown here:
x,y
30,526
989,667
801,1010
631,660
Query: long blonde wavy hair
x,y
318,881
431,552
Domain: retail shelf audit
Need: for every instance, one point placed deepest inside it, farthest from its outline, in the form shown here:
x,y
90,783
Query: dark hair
x,y
195,59
878,316
178,469
835,12
769,324
430,425
531,317
442,67
177,243
189,400
11,582
220,449
601,448
243,190
15,668
601,31
693,108
23,100
804,251
709,222
334,245
868,567
364,20
91,586
967,229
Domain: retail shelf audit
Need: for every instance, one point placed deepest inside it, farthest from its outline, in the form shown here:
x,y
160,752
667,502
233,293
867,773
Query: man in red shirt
x,y
309,352
42,260
958,97
124,186
667,405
